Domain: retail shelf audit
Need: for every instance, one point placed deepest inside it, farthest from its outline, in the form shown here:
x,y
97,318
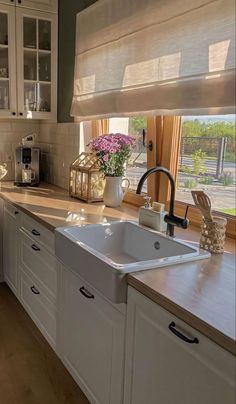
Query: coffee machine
x,y
27,166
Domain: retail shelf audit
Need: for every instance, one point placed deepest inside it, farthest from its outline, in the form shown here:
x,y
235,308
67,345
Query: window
x,y
207,160
199,152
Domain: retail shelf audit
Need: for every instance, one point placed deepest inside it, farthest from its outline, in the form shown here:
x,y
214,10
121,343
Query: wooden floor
x,y
30,372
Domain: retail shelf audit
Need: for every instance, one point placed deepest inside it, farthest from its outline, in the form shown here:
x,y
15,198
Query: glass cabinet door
x,y
7,64
4,62
36,60
37,64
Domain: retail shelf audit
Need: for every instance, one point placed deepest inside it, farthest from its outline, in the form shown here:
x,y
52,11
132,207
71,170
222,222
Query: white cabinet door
x,y
36,63
161,368
7,62
10,239
93,341
43,5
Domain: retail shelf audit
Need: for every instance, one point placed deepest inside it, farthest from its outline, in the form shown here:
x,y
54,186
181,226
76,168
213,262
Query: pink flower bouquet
x,y
113,151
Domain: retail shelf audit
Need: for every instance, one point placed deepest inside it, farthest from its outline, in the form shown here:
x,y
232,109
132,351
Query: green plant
x,y
226,178
207,180
190,183
198,161
186,169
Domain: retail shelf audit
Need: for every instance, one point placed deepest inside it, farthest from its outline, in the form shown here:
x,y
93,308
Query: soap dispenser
x,y
145,214
153,216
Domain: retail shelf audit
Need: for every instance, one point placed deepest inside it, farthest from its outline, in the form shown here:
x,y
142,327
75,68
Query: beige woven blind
x,y
154,57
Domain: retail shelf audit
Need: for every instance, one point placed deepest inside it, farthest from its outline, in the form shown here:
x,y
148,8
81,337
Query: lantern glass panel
x,y
78,183
72,181
97,185
84,185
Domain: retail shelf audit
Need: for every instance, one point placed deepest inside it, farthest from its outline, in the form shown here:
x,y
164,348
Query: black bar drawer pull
x,y
34,290
35,232
35,247
16,212
86,293
182,336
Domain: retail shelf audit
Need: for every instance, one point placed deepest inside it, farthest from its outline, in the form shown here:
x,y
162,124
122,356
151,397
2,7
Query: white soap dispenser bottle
x,y
153,216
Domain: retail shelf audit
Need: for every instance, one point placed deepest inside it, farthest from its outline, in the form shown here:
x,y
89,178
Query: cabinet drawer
x,y
39,307
35,260
38,232
12,210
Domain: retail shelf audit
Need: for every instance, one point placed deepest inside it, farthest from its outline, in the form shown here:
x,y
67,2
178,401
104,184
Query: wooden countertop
x,y
202,293
53,207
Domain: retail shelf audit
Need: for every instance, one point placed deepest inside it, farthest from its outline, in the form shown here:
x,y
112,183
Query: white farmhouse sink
x,y
103,253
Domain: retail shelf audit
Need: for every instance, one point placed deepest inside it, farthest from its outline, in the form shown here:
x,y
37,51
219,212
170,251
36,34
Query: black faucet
x,y
170,218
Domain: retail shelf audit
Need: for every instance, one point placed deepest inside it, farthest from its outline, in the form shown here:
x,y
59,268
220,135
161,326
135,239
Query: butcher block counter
x,y
201,293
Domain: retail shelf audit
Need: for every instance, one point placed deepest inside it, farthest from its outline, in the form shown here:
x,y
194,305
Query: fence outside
x,y
215,151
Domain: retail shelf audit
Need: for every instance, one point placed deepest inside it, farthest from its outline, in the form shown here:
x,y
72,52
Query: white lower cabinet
x,y
163,368
93,341
166,361
11,217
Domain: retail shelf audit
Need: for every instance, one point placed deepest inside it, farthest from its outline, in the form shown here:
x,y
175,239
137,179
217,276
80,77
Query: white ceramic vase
x,y
113,192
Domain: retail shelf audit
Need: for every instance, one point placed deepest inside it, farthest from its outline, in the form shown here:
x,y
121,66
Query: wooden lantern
x,y
86,181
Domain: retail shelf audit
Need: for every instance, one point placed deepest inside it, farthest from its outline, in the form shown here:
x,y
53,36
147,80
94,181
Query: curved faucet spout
x,y
171,219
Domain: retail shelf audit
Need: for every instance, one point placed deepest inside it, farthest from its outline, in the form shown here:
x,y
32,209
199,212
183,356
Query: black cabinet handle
x,y
16,212
21,113
35,232
34,290
182,336
35,247
19,1
86,293
13,113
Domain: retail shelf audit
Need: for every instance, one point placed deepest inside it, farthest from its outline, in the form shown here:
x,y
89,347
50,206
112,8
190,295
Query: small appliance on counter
x,y
27,166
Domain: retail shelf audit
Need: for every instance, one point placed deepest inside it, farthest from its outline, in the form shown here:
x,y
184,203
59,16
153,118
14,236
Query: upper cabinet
x,y
43,5
36,63
7,61
28,61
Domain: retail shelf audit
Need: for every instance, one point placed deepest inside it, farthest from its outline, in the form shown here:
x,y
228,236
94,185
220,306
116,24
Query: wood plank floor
x,y
30,372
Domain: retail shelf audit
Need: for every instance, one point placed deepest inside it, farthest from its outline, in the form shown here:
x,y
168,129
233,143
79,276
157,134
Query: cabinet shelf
x,y
36,82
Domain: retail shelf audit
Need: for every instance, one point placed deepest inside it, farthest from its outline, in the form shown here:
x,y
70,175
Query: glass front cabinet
x,y
28,63
8,102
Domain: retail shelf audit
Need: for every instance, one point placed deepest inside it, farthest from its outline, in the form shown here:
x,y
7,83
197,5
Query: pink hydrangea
x,y
113,151
112,143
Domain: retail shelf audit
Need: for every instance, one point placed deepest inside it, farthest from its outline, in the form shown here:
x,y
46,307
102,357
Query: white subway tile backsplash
x,y
60,145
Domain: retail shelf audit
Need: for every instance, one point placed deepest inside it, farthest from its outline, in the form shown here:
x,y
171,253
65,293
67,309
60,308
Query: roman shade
x,y
154,57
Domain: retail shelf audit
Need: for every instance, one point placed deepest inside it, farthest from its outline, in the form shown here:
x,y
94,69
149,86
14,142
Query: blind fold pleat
x,y
155,57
